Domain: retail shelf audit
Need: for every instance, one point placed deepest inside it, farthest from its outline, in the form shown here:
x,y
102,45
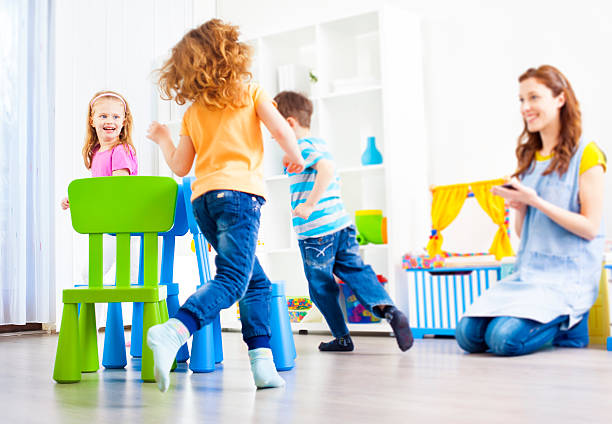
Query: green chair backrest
x,y
122,205
137,204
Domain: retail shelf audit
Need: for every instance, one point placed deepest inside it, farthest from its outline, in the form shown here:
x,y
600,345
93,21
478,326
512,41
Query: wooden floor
x,y
434,382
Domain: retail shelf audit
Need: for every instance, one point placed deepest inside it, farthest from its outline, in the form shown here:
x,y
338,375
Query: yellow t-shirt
x,y
228,145
592,156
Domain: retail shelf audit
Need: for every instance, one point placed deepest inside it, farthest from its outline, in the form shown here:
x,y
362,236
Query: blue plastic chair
x,y
207,345
114,344
179,228
281,341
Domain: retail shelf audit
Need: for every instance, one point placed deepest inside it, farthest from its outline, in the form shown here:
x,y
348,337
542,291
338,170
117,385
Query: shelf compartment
x,y
350,53
347,142
296,48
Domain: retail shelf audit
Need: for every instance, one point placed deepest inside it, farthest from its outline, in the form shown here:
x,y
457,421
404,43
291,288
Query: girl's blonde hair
x,y
208,65
91,137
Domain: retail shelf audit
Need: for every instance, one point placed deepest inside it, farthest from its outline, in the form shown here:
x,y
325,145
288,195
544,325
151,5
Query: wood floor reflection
x,y
434,382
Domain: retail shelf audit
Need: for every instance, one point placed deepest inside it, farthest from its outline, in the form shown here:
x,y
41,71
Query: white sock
x,y
165,340
263,369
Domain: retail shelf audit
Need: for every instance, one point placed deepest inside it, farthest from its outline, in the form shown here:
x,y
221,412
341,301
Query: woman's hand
x,y
158,132
65,203
519,196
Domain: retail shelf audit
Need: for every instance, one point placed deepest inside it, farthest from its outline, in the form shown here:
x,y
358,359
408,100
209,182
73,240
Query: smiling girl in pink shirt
x,y
108,148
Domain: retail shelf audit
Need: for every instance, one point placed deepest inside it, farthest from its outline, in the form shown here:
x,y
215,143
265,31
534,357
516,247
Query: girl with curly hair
x,y
221,130
557,192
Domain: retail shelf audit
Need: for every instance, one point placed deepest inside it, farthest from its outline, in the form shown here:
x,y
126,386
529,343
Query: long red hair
x,y
571,124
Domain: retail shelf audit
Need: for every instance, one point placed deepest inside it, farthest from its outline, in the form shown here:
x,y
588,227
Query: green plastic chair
x,y
121,205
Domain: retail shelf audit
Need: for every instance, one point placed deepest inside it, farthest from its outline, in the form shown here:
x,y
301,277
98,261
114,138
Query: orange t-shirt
x,y
228,145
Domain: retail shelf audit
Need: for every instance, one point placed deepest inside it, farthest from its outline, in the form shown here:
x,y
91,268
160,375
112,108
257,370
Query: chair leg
x,y
136,338
203,350
283,346
88,337
114,339
150,317
173,307
67,367
163,310
218,339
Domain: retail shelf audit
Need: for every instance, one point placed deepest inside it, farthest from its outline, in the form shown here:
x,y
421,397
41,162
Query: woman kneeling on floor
x,y
557,193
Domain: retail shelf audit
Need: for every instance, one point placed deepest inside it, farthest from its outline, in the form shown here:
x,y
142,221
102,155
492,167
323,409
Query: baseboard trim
x,y
30,326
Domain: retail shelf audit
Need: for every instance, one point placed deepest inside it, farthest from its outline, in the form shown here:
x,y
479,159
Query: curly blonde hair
x,y
91,137
208,65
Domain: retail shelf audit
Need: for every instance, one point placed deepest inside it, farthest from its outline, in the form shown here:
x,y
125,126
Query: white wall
x,y
474,51
108,45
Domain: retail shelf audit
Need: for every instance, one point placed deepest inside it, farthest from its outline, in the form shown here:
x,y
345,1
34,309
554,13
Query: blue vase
x,y
371,155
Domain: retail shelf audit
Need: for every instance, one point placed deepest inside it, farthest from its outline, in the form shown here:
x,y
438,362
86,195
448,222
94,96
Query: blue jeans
x,y
230,222
338,253
510,336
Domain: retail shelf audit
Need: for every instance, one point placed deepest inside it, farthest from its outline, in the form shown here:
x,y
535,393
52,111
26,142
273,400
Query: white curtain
x,y
26,162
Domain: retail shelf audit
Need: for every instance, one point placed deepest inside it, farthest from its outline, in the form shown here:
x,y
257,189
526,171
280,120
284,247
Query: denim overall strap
x,y
557,271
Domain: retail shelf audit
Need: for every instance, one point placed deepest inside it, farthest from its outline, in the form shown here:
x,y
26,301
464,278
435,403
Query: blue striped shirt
x,y
329,214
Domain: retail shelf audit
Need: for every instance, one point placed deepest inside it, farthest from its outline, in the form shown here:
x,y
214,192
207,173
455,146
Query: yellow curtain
x,y
445,206
495,207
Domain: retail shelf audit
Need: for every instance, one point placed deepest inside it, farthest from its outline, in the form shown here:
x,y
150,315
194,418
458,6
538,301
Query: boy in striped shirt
x,y
327,237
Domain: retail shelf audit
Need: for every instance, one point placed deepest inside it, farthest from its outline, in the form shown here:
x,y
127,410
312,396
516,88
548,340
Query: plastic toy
x,y
371,155
371,226
356,313
447,203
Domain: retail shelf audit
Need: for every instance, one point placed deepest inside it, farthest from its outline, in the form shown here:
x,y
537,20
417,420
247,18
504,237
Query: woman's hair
x,y
91,137
571,124
209,65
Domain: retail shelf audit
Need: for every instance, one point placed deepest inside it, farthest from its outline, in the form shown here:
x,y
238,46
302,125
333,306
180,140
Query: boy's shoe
x,y
341,344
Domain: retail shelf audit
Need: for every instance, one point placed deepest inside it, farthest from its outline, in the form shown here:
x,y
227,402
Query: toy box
x,y
356,313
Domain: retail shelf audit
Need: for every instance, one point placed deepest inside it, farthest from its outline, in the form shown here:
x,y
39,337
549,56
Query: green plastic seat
x,y
120,205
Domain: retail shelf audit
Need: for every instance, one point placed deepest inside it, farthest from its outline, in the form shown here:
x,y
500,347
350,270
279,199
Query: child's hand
x,y
303,210
293,167
157,132
65,203
519,197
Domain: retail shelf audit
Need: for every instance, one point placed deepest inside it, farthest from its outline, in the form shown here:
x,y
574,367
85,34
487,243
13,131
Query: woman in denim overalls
x,y
559,219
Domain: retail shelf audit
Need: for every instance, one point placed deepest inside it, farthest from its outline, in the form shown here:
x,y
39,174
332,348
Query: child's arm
x,y
324,177
180,158
122,171
282,133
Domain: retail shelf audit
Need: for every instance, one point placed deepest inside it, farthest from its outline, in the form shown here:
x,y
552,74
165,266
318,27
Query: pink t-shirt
x,y
119,157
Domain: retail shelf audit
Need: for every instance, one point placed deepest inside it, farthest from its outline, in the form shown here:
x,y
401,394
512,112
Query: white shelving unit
x,y
369,70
